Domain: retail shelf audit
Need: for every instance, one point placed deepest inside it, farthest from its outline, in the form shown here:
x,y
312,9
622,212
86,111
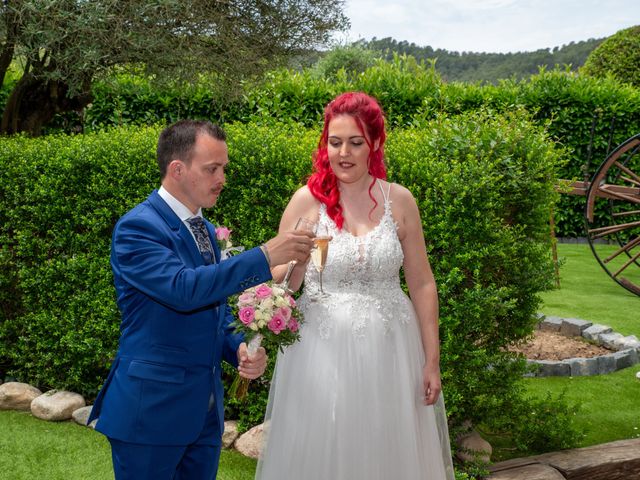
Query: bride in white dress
x,y
358,398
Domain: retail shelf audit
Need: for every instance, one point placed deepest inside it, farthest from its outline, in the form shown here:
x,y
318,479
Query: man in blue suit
x,y
161,406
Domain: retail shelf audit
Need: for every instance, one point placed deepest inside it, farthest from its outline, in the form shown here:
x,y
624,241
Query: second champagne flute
x,y
320,252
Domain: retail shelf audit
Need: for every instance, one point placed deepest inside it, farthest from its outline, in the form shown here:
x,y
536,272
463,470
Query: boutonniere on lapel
x,y
223,237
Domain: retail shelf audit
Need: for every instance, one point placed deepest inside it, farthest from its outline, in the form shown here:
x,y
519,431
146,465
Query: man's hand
x,y
291,245
251,367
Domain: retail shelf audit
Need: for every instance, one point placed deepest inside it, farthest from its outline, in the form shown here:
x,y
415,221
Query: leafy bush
x,y
618,56
353,59
484,185
568,105
538,425
483,182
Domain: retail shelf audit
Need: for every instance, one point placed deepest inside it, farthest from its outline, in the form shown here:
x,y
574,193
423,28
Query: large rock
x,y
551,324
573,327
472,447
553,368
230,433
583,366
56,405
594,331
610,340
81,415
17,396
250,443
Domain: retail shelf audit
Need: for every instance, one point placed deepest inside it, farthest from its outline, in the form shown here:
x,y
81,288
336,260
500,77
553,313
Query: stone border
x,y
626,349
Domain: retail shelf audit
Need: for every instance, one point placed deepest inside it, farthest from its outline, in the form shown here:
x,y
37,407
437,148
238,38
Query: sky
x,y
494,26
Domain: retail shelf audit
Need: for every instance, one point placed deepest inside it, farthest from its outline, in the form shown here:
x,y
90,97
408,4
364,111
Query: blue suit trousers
x,y
197,461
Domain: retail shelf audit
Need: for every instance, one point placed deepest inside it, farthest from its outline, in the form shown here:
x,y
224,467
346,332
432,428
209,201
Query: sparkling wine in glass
x,y
320,251
302,224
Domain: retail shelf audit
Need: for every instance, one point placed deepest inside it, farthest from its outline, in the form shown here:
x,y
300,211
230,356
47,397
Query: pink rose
x,y
223,233
292,301
277,323
263,291
247,314
285,312
293,325
246,298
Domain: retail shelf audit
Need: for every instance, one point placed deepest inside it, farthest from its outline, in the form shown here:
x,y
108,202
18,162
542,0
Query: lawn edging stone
x,y
626,349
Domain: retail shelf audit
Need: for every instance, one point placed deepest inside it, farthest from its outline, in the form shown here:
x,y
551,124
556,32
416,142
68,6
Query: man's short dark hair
x,y
178,139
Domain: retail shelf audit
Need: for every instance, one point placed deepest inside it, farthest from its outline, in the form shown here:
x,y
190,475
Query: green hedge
x,y
565,103
484,184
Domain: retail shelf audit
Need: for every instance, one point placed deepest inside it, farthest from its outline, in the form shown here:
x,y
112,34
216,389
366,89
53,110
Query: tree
x,y
62,46
618,55
352,58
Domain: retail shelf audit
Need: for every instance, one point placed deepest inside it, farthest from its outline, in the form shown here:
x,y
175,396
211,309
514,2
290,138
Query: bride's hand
x,y
431,384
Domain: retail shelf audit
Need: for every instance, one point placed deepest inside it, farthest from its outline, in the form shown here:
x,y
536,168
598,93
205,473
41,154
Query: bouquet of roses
x,y
265,312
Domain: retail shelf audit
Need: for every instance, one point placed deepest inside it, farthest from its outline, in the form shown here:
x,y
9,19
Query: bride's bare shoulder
x,y
401,196
304,197
302,204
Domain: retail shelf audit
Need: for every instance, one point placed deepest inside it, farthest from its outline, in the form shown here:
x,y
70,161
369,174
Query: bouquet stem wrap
x,y
240,385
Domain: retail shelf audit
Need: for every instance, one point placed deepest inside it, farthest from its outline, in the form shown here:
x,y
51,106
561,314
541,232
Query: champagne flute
x,y
302,224
320,251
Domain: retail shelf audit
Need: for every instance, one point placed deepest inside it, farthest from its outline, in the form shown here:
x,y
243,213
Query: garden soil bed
x,y
547,345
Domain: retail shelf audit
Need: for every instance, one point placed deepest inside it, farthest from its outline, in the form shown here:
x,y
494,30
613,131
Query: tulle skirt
x,y
345,402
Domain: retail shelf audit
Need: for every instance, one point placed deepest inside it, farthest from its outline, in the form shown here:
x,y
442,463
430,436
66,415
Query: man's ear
x,y
176,169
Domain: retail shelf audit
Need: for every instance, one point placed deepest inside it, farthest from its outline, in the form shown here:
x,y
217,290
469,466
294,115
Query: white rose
x,y
266,304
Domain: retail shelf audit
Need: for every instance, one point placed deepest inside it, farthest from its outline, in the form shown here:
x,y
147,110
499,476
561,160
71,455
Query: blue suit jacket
x,y
175,328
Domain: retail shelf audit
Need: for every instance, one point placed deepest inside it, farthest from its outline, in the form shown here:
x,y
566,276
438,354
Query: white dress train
x,y
345,402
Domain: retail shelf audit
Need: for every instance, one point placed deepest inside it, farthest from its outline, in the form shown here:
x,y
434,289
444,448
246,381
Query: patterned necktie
x,y
202,239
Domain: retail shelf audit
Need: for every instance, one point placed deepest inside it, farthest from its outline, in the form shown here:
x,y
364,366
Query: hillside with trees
x,y
486,67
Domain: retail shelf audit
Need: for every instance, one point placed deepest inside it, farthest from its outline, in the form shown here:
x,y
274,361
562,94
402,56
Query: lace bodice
x,y
361,271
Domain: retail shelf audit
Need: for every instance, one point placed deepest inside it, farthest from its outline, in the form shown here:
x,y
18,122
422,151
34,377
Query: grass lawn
x,y
587,292
32,448
610,409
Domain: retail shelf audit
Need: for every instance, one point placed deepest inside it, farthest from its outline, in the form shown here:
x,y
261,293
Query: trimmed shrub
x,y
484,184
568,105
618,56
60,197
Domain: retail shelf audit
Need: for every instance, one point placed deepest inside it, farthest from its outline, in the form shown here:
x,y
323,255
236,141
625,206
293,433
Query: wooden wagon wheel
x,y
617,182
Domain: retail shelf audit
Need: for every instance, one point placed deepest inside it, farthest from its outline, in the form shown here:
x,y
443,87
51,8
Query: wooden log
x,y
609,461
536,471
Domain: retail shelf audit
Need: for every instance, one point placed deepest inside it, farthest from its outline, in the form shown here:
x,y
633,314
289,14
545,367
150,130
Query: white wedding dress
x,y
345,401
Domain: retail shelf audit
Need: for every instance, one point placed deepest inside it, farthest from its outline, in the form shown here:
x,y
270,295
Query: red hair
x,y
369,117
